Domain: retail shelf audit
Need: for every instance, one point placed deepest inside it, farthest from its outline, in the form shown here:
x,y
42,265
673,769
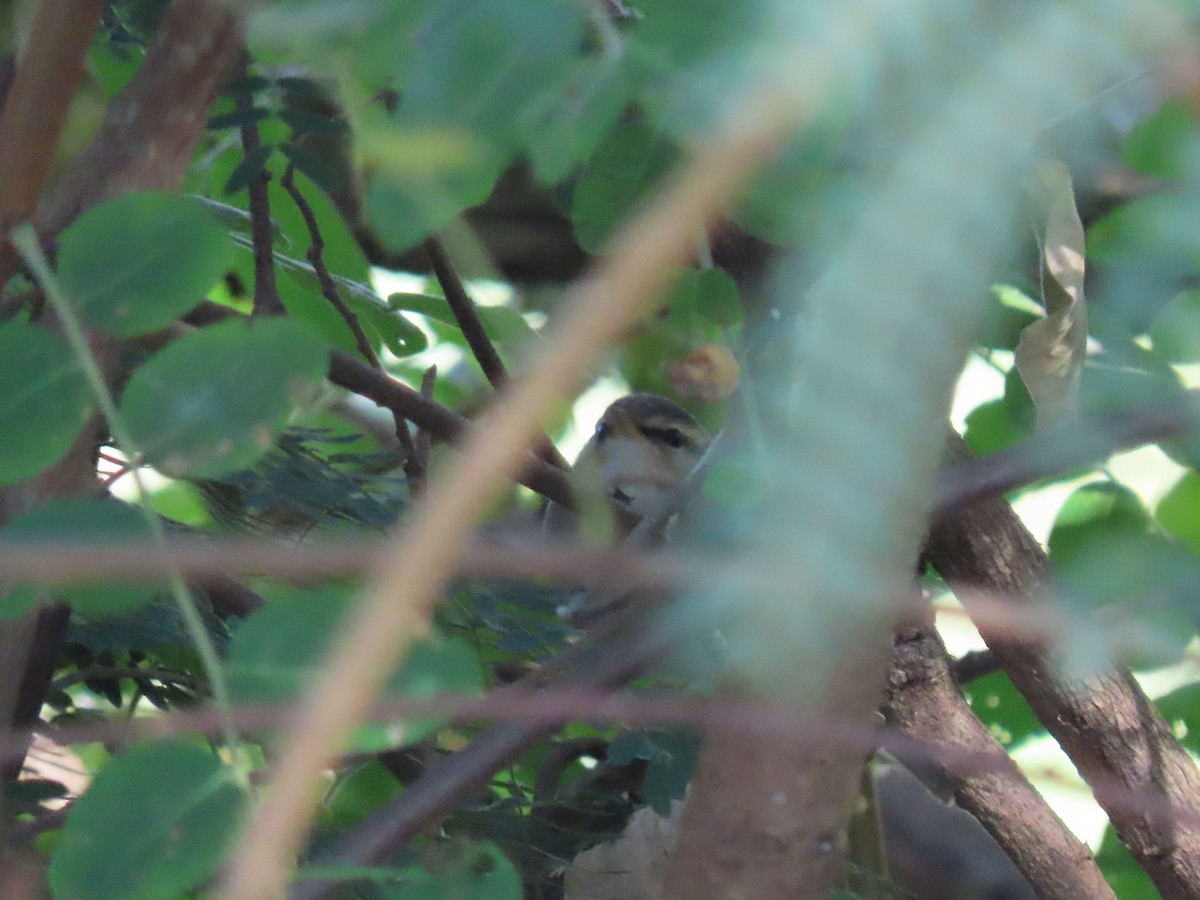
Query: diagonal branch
x,y
465,314
472,328
35,110
1106,724
439,422
316,257
924,701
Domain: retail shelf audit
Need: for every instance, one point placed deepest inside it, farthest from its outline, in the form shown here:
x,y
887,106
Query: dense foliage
x,y
520,137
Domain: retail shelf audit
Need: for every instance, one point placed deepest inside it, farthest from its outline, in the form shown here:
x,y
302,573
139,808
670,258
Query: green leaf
x,y
361,792
493,67
401,336
156,821
1165,144
1179,511
238,117
632,159
703,302
73,521
500,323
251,166
1175,331
1000,706
216,400
1181,709
990,428
1129,880
136,263
1092,511
277,651
45,403
405,207
589,105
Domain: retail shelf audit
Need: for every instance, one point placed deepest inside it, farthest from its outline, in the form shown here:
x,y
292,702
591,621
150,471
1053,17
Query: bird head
x,y
639,457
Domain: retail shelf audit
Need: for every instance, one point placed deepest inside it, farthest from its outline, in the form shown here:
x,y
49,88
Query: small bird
x,y
631,469
633,466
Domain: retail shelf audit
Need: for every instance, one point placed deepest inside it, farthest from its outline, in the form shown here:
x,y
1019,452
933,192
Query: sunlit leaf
x,y
1002,709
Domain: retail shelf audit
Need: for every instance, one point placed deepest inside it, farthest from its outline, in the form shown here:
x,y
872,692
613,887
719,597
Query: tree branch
x,y
266,290
35,109
1105,724
151,127
316,256
481,345
924,701
465,314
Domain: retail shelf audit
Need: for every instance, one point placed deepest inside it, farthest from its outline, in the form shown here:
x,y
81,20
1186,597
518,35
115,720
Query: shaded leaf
x,y
277,651
216,400
477,872
136,263
631,160
155,821
73,521
45,404
251,166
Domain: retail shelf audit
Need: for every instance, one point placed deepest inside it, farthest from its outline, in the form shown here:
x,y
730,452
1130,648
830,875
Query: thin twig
x,y
469,323
441,422
465,314
421,439
316,256
266,291
201,558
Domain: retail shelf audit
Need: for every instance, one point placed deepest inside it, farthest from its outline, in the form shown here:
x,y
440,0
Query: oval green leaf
x,y
216,400
156,821
74,521
136,263
628,164
46,403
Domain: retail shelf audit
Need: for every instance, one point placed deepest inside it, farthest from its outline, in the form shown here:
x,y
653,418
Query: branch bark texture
x,y
1141,776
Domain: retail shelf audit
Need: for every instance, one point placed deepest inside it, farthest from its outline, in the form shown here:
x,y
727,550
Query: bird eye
x,y
603,430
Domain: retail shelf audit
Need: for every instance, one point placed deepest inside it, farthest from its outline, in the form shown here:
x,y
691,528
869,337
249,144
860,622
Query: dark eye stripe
x,y
603,430
670,437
